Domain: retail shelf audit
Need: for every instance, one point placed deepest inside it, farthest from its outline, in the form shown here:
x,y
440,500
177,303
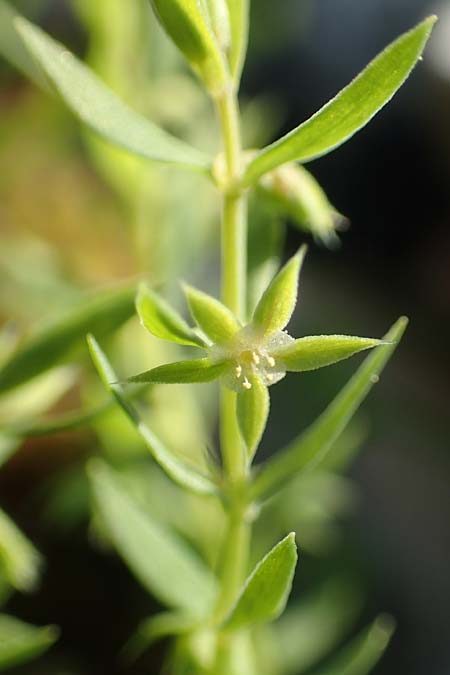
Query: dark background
x,y
393,182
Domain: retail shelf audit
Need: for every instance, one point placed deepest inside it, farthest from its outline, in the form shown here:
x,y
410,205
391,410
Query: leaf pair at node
x,y
247,358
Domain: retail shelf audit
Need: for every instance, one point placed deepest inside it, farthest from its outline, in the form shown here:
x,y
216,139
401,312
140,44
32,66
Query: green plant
x,y
216,615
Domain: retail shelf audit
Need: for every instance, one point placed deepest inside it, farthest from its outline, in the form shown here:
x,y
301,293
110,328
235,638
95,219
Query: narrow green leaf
x,y
162,562
316,351
267,589
362,655
220,22
8,445
252,413
215,320
102,314
350,110
188,26
179,472
20,562
153,629
20,642
99,108
161,320
239,11
278,302
311,448
183,372
14,49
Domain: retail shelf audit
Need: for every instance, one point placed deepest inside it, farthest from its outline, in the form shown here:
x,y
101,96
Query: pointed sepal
x,y
182,372
317,351
252,409
215,320
278,302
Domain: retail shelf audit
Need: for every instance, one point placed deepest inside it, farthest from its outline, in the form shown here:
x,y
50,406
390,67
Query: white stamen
x,y
256,359
269,377
271,361
238,371
246,384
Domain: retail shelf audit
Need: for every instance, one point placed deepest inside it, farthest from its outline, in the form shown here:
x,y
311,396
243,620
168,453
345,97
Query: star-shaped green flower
x,y
247,358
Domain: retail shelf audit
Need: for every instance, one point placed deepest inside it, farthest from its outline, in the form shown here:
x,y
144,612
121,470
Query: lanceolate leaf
x,y
239,11
364,652
14,49
215,320
182,372
20,562
161,320
252,413
8,445
99,108
350,110
166,566
20,642
316,351
267,589
312,446
178,471
278,302
101,314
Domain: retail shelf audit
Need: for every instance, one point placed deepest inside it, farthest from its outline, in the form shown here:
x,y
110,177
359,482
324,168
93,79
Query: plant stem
x,y
234,272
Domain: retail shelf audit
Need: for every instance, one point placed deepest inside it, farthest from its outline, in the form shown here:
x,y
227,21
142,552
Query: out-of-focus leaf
x,y
19,560
362,655
161,320
20,642
182,372
312,446
8,446
278,302
220,22
162,562
99,108
14,49
182,474
153,629
239,11
267,589
102,314
252,412
316,351
306,633
350,110
215,320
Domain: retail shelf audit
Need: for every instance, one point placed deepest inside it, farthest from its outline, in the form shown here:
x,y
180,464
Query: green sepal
x,y
20,642
278,301
188,26
317,351
364,652
216,321
162,321
266,591
252,408
160,560
296,194
100,109
350,110
182,372
311,448
185,476
153,629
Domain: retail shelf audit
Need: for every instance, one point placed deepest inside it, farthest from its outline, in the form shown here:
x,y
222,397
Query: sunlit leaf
x,y
99,108
267,589
311,448
350,110
20,562
215,320
182,474
278,302
102,314
14,49
20,642
162,562
316,351
161,320
182,372
252,413
362,655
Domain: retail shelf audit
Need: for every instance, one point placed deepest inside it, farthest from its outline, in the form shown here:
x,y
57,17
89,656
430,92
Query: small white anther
x,y
238,371
255,358
271,361
246,384
269,377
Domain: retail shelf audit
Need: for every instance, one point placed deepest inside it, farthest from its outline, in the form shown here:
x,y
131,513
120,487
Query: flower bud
x,y
298,195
